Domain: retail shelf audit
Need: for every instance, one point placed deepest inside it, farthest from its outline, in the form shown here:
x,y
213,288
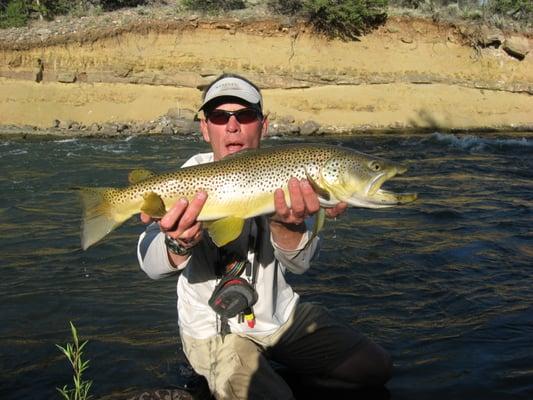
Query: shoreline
x,y
8,132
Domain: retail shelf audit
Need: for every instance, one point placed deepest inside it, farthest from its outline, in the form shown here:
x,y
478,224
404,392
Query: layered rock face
x,y
406,74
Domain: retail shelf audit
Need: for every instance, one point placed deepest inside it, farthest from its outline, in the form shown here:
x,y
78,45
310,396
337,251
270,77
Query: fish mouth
x,y
375,184
384,198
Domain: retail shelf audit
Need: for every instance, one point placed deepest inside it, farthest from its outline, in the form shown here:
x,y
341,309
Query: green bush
x,y
346,19
521,10
16,13
285,7
213,6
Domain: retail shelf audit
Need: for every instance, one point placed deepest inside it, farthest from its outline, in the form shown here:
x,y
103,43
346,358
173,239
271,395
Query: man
x,y
232,352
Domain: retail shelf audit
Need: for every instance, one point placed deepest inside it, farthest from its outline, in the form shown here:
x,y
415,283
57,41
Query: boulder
x,y
516,47
121,127
186,127
176,113
167,130
66,77
95,127
490,37
309,128
286,119
67,124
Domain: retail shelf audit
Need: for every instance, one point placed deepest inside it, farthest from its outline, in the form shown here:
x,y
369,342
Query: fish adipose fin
x,y
225,230
153,205
139,175
99,215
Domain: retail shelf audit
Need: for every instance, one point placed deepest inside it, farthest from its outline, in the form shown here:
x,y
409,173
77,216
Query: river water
x,y
445,284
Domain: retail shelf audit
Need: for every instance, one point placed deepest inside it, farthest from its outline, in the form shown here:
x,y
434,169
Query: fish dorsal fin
x,y
225,230
153,205
318,190
139,175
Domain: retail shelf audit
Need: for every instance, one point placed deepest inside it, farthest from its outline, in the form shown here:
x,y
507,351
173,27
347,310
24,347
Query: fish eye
x,y
374,165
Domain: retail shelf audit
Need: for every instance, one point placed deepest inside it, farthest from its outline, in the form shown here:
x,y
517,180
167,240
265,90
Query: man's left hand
x,y
303,200
287,224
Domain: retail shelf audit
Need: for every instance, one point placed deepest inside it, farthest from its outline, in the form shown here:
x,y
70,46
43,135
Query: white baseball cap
x,y
234,87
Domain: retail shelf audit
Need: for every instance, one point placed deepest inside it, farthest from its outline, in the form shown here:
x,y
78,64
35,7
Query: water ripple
x,y
443,284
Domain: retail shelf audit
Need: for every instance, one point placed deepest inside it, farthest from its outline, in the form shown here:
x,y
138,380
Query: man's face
x,y
232,136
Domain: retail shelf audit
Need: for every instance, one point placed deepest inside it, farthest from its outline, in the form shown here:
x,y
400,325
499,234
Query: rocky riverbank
x,y
140,71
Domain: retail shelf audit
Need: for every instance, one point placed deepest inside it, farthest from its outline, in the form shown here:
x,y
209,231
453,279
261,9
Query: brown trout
x,y
242,186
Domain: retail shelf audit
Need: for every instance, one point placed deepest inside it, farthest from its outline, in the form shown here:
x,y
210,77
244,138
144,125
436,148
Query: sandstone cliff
x,y
409,73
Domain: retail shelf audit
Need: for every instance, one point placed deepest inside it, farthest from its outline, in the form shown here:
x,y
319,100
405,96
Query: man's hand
x,y
334,212
180,223
304,202
287,224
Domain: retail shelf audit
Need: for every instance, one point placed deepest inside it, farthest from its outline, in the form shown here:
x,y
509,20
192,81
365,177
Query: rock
x,y
122,127
207,72
56,123
286,119
15,62
66,124
180,113
279,128
167,130
43,32
66,77
123,71
95,127
39,71
158,129
516,47
490,37
309,128
164,394
186,127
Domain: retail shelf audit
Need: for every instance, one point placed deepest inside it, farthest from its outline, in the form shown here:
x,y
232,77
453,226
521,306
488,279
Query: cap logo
x,y
228,85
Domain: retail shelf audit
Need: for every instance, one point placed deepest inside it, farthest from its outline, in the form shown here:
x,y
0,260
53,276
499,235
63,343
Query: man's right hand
x,y
180,223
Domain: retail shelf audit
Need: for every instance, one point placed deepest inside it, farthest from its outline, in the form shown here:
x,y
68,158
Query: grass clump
x,y
520,10
213,6
14,14
74,353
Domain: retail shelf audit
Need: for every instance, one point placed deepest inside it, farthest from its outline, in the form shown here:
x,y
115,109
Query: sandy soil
x,y
404,75
363,106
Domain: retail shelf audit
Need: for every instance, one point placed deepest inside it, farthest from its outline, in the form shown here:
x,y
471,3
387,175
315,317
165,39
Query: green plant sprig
x,y
74,352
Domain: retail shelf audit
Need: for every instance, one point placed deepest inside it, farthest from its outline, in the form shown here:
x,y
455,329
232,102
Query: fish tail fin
x,y
100,216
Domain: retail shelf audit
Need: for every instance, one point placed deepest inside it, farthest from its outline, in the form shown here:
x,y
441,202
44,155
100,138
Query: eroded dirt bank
x,y
406,74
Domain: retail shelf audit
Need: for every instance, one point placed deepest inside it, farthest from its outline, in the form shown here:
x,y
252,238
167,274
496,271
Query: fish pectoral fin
x,y
225,230
318,190
320,219
153,205
139,175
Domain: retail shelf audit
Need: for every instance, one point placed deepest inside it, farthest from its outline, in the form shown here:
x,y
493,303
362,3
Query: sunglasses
x,y
244,116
